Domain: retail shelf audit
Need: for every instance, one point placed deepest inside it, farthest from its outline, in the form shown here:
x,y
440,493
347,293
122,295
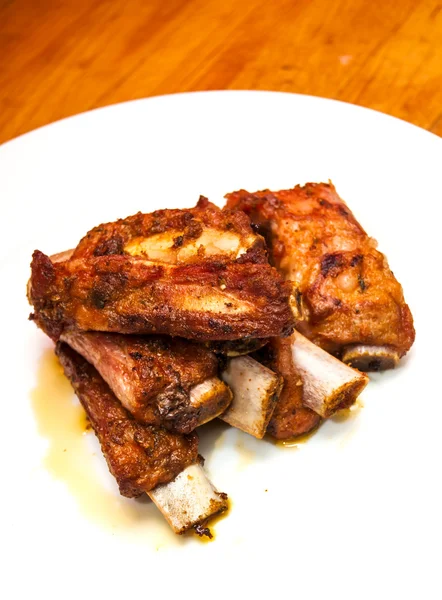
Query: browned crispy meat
x,y
344,294
161,380
233,348
176,236
290,417
199,274
139,456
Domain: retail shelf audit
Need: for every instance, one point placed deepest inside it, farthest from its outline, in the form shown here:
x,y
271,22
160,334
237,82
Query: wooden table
x,y
59,57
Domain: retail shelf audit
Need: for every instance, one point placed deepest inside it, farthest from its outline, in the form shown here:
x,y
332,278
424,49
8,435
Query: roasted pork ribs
x,y
142,307
200,274
344,295
162,381
140,457
143,458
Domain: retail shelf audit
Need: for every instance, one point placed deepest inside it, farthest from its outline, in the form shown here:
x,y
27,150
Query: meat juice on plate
x,y
70,459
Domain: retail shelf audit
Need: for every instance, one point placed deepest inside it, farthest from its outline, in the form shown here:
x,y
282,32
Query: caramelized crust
x,y
140,457
205,277
175,236
156,377
344,292
290,418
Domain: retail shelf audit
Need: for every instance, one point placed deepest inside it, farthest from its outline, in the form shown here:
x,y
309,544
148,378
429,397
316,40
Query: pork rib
x,y
144,458
328,385
140,457
344,295
200,274
290,417
255,391
316,385
189,500
162,381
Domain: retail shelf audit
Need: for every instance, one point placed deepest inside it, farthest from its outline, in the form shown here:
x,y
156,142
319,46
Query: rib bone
x,y
290,417
140,457
255,392
161,381
143,458
370,358
189,500
209,399
328,384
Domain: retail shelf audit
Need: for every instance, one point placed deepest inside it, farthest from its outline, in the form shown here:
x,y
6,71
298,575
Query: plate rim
x,y
199,93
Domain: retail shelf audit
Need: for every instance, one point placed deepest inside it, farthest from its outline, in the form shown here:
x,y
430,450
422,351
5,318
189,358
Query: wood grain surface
x,y
59,58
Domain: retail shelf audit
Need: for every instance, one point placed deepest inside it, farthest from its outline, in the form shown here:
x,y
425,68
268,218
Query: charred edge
x,y
322,202
202,531
330,263
362,284
217,325
110,247
178,241
375,365
370,358
356,260
233,348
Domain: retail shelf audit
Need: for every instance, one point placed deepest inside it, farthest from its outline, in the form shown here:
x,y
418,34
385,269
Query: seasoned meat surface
x,y
200,274
290,418
344,292
156,378
175,236
140,457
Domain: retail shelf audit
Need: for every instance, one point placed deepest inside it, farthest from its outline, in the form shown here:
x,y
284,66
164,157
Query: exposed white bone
x,y
208,399
255,391
371,358
189,500
328,384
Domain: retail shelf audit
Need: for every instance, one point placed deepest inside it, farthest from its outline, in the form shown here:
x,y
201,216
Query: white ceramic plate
x,y
355,511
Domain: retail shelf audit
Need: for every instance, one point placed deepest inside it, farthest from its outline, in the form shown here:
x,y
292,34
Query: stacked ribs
x,y
167,320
